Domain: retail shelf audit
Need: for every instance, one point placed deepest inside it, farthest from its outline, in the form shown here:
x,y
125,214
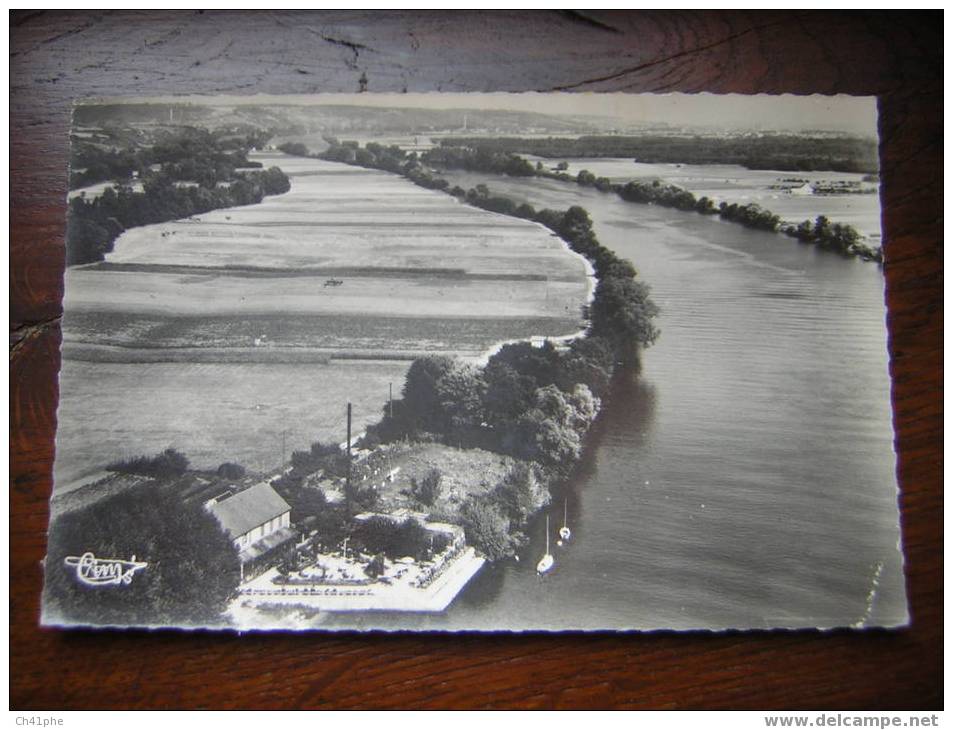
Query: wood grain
x,y
57,57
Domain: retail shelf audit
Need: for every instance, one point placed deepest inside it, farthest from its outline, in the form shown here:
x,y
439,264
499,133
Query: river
x,y
746,478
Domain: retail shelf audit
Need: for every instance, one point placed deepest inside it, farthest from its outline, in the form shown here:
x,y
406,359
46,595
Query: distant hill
x,y
328,119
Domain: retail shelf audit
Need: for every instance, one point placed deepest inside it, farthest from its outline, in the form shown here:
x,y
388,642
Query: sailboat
x,y
546,562
564,532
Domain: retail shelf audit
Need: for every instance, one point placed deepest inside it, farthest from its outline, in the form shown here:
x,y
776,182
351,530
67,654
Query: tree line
x,y
535,404
837,237
183,175
841,153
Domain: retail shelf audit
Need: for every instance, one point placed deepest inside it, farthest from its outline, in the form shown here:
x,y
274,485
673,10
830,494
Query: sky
x,y
735,111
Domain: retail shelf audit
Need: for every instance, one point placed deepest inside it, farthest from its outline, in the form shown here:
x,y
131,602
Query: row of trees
x,y
750,215
94,225
622,310
761,152
195,172
529,402
481,159
533,403
837,237
170,464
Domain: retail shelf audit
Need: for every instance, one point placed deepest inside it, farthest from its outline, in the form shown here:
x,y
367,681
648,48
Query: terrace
x,y
340,582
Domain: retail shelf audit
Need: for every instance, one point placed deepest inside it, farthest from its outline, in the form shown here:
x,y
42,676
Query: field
x,y
213,412
226,334
346,251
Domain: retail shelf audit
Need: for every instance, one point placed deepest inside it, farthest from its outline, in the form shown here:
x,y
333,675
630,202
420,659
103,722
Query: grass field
x,y
437,269
288,336
213,412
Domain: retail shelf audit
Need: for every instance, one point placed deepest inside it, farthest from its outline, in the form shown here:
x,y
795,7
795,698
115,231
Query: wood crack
x,y
579,17
19,336
666,59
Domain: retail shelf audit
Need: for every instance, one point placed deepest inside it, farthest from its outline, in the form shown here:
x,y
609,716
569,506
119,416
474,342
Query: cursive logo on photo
x,y
93,571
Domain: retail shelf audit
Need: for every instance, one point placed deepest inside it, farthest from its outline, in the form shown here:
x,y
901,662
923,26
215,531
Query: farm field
x,y
225,334
344,246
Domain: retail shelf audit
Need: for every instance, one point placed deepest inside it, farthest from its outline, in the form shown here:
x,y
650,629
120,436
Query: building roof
x,y
248,509
267,544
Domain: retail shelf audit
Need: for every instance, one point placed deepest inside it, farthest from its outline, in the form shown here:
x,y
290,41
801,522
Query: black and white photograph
x,y
474,362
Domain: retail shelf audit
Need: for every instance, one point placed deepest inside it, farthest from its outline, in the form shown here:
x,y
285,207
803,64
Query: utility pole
x,y
347,479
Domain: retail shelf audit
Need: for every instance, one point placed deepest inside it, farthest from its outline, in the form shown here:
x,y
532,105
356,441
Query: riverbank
x,y
705,450
820,230
544,419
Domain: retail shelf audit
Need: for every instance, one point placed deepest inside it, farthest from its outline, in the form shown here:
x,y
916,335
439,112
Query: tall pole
x,y
390,399
348,478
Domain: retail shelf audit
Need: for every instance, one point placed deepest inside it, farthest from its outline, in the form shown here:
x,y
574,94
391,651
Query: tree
x,y
551,432
804,231
305,501
589,361
191,573
822,228
296,149
520,493
562,166
170,464
459,393
525,210
421,398
486,528
329,457
375,568
508,392
231,471
382,535
576,225
622,312
428,490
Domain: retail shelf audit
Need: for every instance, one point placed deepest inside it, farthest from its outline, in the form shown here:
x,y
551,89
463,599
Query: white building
x,y
252,515
259,522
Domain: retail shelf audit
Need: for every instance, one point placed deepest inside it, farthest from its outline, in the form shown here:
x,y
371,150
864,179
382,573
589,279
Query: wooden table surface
x,y
57,57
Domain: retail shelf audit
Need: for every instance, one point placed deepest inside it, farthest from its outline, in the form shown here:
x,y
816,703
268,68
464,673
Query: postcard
x,y
491,362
